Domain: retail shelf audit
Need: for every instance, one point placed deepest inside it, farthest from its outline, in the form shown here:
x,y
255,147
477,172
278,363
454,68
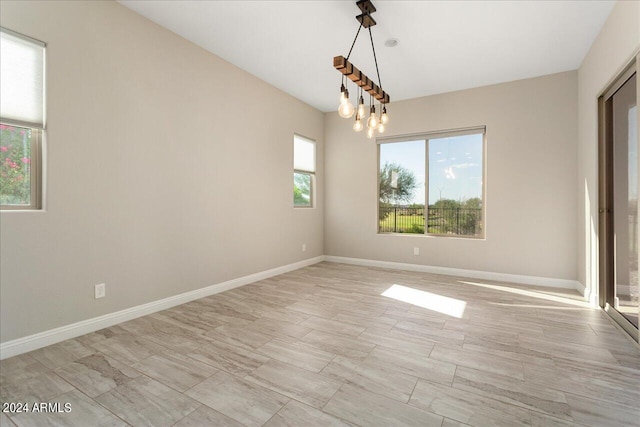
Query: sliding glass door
x,y
619,202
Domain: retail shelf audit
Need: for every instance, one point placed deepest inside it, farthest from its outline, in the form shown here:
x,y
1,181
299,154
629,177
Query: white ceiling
x,y
444,45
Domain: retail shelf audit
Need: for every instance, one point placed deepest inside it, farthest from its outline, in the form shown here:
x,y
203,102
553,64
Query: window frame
x,y
426,136
311,174
37,137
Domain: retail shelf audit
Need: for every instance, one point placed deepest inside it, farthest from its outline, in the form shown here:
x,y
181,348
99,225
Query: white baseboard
x,y
53,336
582,289
474,274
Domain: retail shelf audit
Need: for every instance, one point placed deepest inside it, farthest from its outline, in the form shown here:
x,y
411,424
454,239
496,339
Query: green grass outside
x,y
403,224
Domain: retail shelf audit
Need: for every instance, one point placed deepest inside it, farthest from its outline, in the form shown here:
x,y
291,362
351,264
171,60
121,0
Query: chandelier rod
x,y
373,47
354,40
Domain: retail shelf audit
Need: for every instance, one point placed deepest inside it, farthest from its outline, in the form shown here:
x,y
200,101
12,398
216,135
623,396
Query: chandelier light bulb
x,y
384,118
346,108
381,127
370,133
357,126
361,107
372,121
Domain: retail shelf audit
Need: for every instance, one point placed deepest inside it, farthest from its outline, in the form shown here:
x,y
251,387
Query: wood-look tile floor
x,y
322,346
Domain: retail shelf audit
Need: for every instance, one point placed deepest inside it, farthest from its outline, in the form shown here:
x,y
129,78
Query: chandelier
x,y
374,122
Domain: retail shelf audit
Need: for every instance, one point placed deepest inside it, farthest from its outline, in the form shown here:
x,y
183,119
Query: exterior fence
x,y
452,221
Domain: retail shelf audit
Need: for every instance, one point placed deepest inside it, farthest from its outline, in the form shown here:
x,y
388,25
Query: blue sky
x,y
455,166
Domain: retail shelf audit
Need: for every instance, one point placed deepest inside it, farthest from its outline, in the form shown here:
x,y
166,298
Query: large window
x,y
304,170
21,120
432,184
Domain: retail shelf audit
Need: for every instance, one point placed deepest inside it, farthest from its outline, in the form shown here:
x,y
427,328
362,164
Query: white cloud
x,y
465,165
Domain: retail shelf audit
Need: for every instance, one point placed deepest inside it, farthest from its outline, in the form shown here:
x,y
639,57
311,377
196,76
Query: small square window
x,y
302,190
19,167
21,120
304,168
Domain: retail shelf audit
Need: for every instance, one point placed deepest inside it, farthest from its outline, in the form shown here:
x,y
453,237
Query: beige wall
x,y
612,50
530,186
168,170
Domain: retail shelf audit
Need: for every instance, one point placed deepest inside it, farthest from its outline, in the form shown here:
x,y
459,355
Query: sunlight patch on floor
x,y
445,305
543,307
532,294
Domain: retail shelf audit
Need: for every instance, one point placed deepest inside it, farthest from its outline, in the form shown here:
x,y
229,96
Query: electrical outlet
x,y
100,290
416,251
304,247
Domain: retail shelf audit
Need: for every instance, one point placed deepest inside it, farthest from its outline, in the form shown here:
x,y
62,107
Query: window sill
x,y
435,236
2,211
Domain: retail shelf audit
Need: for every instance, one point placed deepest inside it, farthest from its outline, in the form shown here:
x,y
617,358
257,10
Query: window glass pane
x,y
624,148
301,189
304,154
455,185
21,80
15,167
401,180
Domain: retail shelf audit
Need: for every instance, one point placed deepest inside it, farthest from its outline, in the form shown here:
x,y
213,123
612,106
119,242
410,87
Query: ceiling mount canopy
x,y
364,83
